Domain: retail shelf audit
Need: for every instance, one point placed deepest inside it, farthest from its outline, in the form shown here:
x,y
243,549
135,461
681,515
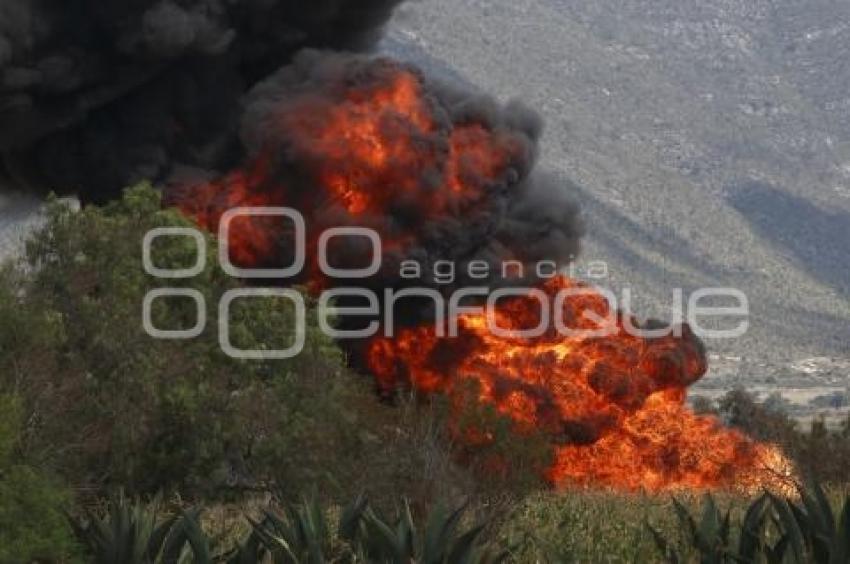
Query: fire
x,y
366,151
613,406
378,145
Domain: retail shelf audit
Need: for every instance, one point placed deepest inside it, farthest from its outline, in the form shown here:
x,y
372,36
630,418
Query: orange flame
x,y
613,406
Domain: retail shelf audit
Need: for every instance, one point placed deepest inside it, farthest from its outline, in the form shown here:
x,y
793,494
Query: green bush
x,y
819,454
32,522
504,457
113,407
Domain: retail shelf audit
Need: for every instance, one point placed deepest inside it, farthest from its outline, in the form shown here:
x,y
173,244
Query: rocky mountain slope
x,y
709,141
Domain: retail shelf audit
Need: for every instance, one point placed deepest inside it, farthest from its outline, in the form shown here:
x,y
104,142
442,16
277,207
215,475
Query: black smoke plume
x,y
98,94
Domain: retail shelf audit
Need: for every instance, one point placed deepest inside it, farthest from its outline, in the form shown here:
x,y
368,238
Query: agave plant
x,y
186,542
807,531
711,538
443,540
811,528
298,535
127,532
131,532
753,544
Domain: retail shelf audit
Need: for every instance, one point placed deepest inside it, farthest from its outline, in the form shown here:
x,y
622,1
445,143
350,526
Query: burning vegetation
x,y
613,407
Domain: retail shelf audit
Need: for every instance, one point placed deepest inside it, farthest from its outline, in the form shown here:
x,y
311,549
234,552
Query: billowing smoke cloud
x,y
445,177
210,98
95,95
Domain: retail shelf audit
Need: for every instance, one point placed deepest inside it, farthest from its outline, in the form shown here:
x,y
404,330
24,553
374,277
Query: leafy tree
x,y
111,406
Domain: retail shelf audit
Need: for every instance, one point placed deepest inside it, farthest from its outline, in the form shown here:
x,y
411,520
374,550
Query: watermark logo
x,y
699,307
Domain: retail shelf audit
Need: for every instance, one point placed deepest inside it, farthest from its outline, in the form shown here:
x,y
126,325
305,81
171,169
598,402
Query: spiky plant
x,y
186,542
814,533
708,537
127,532
131,532
443,539
807,531
299,534
711,536
753,542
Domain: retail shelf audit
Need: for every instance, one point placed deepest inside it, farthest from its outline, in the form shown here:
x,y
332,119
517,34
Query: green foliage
x,y
443,539
814,532
504,456
572,527
774,529
132,532
586,526
32,524
820,454
113,408
10,423
117,408
300,534
710,537
127,532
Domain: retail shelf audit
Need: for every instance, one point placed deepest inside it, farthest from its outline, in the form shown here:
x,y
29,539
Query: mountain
x,y
707,140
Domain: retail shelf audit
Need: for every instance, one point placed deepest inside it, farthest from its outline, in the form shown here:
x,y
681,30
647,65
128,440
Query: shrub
x,y
504,456
819,454
32,522
111,406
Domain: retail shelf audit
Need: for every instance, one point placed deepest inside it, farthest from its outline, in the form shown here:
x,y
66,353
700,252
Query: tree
x,y
112,406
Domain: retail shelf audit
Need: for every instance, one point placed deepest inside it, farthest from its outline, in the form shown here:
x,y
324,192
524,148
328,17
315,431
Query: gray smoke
x,y
96,95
